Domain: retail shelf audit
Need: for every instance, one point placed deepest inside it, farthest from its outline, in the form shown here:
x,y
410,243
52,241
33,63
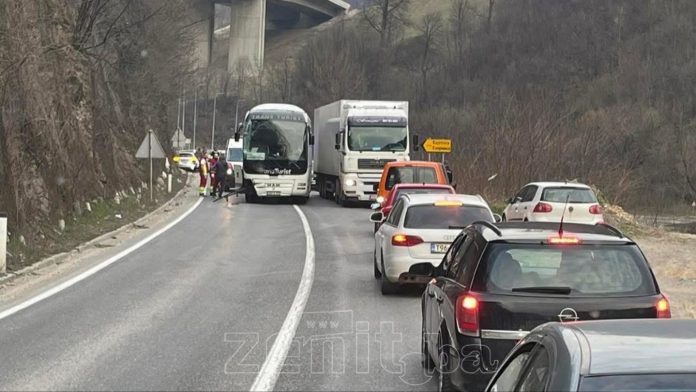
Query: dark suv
x,y
496,283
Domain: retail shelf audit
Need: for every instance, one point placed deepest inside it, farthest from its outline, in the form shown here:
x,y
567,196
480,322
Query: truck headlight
x,y
350,182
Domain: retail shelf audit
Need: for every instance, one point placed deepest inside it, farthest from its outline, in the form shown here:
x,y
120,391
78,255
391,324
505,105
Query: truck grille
x,y
373,163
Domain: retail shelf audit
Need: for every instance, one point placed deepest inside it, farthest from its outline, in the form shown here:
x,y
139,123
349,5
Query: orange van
x,y
412,172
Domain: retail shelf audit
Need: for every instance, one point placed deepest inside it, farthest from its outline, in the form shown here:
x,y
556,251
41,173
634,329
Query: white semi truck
x,y
277,144
354,140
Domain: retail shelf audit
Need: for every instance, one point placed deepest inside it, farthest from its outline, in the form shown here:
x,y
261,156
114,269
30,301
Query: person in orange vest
x,y
203,172
211,168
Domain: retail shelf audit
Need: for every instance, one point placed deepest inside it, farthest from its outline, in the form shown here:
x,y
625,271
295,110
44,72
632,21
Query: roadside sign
x,y
144,151
431,145
149,149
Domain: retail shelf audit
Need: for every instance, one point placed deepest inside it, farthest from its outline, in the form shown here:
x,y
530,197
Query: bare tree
x,y
386,17
430,29
489,19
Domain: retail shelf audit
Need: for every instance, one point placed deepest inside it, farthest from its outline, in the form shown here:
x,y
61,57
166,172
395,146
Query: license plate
x,y
373,197
273,193
439,248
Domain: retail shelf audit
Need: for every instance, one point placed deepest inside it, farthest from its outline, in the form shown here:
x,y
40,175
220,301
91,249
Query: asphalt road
x,y
185,313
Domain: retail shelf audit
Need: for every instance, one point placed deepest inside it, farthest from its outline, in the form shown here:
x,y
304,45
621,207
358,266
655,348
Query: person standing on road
x,y
448,172
213,175
220,172
203,172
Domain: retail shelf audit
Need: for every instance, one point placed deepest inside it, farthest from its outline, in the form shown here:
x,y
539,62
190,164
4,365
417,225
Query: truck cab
x,y
355,139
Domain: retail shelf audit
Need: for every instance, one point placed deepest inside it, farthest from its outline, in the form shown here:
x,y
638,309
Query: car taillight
x,y
406,240
596,209
467,315
543,207
662,307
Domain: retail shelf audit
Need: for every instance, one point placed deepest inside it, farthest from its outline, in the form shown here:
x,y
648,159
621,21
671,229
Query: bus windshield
x,y
276,145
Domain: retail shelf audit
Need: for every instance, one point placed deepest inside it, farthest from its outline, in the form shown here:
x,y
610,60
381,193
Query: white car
x,y
417,233
549,201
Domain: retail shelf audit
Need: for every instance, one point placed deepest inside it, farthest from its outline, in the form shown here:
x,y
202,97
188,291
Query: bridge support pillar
x,y
203,22
247,34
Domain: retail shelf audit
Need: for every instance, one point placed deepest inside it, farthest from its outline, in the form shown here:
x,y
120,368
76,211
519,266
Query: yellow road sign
x,y
431,145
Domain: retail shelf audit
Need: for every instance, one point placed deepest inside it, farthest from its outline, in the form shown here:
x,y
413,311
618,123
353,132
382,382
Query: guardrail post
x,y
3,242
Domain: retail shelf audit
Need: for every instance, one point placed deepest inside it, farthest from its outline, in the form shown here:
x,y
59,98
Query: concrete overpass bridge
x,y
251,20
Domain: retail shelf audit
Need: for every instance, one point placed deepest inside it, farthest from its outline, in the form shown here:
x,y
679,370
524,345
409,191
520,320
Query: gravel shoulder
x,y
673,259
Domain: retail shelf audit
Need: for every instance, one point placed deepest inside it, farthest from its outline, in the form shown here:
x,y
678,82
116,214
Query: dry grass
x,y
673,258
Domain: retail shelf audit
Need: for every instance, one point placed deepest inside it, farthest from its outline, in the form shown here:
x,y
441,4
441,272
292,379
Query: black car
x,y
598,356
496,283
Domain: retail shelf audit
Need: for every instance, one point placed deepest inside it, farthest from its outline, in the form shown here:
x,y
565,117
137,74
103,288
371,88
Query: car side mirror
x,y
497,218
439,270
416,144
510,200
238,133
311,140
375,206
377,217
337,143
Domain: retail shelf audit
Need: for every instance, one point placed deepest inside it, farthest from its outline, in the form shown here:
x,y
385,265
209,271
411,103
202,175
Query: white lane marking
x,y
270,371
55,290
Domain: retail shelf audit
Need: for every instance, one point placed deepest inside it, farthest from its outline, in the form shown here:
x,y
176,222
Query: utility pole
x,y
212,138
236,116
195,116
178,114
183,116
178,125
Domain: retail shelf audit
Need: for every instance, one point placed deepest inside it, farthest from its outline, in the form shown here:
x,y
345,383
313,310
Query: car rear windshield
x,y
573,195
575,270
640,382
444,217
411,174
413,191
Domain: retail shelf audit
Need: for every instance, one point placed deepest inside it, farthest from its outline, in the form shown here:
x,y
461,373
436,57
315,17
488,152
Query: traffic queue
x,y
501,290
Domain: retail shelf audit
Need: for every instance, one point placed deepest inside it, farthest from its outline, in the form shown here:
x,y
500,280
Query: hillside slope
x,y
81,82
601,92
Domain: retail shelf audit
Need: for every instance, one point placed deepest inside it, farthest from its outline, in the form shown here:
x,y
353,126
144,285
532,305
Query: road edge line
x,y
270,371
93,270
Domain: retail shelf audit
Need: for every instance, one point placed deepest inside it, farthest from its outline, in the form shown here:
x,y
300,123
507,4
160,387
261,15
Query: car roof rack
x,y
611,228
489,225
